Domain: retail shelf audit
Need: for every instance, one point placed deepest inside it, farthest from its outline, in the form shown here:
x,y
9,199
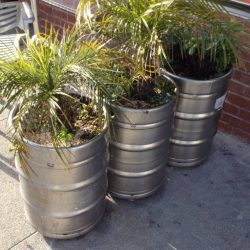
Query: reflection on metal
x,y
138,150
197,113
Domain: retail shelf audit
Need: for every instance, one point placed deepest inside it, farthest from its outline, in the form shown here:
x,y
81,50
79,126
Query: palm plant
x,y
132,25
132,29
48,83
159,32
144,97
135,87
202,40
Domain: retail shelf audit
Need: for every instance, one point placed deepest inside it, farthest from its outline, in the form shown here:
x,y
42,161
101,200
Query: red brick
x,y
45,7
237,100
235,122
236,87
67,25
241,134
71,18
43,22
49,21
246,23
225,127
228,107
244,53
247,92
241,76
43,13
244,38
56,21
246,66
245,115
235,117
60,13
56,16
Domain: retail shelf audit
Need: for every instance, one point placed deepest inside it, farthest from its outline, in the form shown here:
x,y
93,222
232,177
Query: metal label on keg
x,y
220,102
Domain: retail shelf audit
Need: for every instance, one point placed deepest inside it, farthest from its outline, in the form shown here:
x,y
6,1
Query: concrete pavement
x,y
202,208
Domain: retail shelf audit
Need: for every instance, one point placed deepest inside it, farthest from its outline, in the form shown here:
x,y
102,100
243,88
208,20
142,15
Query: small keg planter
x,y
196,117
139,150
64,201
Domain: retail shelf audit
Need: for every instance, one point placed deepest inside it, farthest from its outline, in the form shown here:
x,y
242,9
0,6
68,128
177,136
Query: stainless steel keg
x,y
197,113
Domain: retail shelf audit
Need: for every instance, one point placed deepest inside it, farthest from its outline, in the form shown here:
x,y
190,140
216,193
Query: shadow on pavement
x,y
7,168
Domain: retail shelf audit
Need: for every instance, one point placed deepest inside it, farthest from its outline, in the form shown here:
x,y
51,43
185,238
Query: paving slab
x,y
13,226
6,157
202,208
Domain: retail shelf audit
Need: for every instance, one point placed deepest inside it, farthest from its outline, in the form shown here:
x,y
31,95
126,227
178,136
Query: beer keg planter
x,y
64,201
196,117
139,150
59,131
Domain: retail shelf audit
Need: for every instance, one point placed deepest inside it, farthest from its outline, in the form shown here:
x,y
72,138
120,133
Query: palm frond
x,y
44,72
147,28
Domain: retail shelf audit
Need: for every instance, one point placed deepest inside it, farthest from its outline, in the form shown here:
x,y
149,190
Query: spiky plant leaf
x,y
148,28
46,70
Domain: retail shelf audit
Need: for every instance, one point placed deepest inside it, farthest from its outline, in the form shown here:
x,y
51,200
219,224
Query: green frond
x,y
47,70
146,29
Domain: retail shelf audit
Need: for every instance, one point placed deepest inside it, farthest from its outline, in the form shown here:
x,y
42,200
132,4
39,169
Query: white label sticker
x,y
220,101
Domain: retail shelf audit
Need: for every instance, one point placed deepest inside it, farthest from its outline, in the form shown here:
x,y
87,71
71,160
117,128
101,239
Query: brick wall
x,y
48,13
235,117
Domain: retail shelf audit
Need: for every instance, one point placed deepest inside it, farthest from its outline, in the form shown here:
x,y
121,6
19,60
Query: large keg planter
x,y
64,201
195,122
59,130
139,150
